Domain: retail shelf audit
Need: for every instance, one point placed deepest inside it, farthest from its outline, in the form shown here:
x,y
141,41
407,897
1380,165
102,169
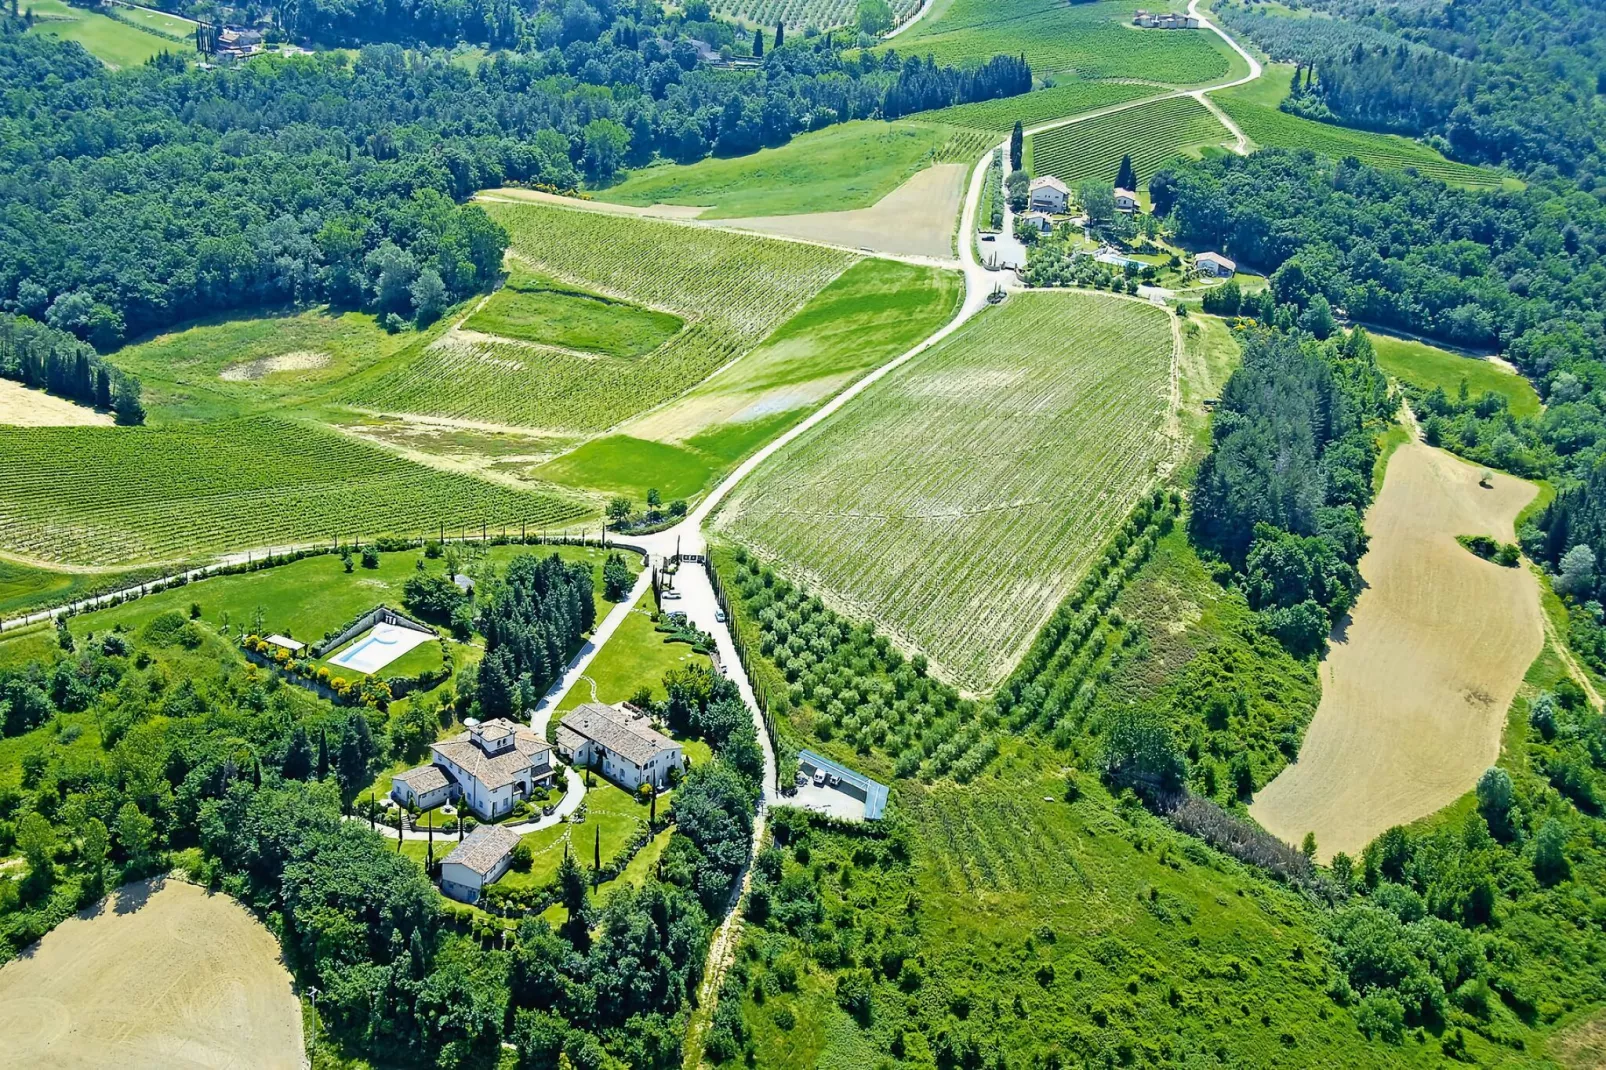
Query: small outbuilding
x,y
1038,221
1125,200
478,862
1215,265
426,787
1048,194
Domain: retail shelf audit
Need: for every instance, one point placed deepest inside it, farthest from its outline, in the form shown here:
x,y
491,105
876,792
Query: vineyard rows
x,y
796,14
95,495
962,497
1088,40
731,289
1153,134
1041,106
1271,128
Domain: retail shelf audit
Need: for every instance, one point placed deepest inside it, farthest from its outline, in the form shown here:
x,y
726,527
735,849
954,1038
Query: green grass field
x,y
620,464
961,497
1429,366
89,495
1037,930
229,366
535,308
1152,134
635,657
306,598
1090,40
1040,106
24,587
115,43
1254,108
868,315
731,289
851,165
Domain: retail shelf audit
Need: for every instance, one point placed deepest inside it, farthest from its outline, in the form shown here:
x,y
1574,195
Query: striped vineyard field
x,y
103,495
1085,40
731,290
797,14
1040,106
1274,129
961,498
1152,134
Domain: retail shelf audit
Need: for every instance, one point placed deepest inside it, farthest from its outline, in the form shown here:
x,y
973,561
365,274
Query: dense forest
x,y
46,358
1491,82
1282,492
133,200
533,617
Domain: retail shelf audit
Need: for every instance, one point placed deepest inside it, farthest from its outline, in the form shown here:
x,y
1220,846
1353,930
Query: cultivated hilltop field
x,y
1042,630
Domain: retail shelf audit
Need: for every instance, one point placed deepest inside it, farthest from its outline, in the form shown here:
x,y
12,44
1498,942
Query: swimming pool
x,y
378,647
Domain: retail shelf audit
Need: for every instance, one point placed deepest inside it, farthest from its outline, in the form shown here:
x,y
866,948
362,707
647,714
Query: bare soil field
x,y
22,407
161,974
1417,683
916,219
249,371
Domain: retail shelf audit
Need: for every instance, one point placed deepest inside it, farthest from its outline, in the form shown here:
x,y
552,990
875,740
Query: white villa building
x,y
623,745
1125,200
490,768
478,861
1215,265
1048,194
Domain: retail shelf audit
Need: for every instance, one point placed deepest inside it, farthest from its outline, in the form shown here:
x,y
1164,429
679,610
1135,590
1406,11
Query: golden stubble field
x,y
1415,689
162,974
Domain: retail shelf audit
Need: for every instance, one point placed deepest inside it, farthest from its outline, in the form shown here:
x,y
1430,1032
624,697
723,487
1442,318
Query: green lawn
x,y
1428,366
636,656
612,810
274,360
635,874
114,43
23,587
851,165
620,464
538,308
306,598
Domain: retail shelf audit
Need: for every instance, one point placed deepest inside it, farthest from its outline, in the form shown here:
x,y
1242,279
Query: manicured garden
x,y
635,658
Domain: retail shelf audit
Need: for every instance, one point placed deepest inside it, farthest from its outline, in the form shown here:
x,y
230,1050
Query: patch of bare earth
x,y
23,407
249,371
916,219
1582,1045
1416,685
161,974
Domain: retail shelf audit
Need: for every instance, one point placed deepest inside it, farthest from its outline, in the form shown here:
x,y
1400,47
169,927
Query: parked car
x,y
836,781
989,237
670,596
819,778
719,615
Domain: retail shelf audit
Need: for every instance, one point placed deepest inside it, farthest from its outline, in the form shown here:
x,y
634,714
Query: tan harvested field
x,y
22,407
161,974
1415,689
916,219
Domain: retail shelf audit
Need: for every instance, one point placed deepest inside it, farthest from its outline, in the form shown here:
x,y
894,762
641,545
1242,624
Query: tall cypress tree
x,y
780,34
1126,177
1017,146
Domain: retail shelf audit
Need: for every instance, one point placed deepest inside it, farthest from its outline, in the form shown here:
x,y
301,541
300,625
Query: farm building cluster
x,y
490,768
620,743
1164,20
